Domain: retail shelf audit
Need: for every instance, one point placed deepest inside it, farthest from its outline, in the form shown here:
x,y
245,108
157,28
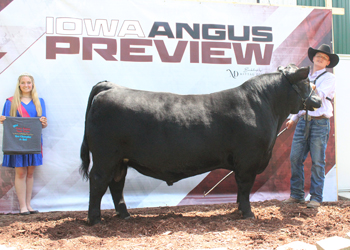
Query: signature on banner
x,y
248,71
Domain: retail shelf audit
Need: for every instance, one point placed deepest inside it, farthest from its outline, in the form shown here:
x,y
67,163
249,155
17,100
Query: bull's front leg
x,y
245,183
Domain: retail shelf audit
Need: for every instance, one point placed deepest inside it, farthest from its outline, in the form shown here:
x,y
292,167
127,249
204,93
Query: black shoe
x,y
25,213
34,212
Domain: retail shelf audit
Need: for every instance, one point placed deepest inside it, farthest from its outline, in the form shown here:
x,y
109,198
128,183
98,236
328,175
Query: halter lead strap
x,y
306,133
307,125
298,91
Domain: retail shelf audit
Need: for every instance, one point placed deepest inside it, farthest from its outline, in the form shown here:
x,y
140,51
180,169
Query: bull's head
x,y
298,78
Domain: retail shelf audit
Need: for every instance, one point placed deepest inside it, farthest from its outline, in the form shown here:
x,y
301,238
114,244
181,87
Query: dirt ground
x,y
182,227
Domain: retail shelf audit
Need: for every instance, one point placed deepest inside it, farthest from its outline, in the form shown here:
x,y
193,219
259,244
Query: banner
x,y
184,47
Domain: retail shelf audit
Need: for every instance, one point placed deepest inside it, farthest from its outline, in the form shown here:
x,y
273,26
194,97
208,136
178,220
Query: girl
x,y
24,103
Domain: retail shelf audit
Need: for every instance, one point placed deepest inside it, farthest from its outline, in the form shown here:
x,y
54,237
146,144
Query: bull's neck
x,y
289,98
280,96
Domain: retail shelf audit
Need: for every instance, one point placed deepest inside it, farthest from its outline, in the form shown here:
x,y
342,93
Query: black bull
x,y
171,137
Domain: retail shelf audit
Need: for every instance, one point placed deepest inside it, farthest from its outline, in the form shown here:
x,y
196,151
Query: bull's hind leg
x,y
245,183
116,187
100,177
98,187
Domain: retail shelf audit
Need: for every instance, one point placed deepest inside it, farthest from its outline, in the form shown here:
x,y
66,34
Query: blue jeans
x,y
316,144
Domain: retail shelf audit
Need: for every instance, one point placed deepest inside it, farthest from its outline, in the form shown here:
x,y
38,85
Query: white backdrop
x,y
342,122
65,82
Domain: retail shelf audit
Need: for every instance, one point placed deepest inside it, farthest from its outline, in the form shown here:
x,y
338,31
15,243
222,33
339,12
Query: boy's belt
x,y
309,117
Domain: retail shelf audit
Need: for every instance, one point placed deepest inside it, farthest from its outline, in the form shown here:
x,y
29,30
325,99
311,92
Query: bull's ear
x,y
302,73
297,74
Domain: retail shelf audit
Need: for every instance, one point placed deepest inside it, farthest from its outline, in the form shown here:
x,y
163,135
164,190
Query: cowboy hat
x,y
324,48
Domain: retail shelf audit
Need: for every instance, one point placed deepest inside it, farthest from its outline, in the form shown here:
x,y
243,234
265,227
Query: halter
x,y
304,100
307,124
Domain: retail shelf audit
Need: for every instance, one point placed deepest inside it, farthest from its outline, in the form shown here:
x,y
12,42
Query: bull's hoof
x,y
122,211
124,215
247,215
94,221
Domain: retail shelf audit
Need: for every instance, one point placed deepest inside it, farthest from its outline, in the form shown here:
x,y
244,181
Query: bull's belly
x,y
171,172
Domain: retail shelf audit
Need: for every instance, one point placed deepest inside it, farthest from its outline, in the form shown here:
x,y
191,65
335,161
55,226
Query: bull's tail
x,y
85,150
85,159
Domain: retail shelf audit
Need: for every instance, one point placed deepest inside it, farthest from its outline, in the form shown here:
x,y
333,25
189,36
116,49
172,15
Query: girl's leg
x,y
29,186
20,186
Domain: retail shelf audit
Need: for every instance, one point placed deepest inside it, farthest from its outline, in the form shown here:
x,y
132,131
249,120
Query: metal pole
x,y
206,193
282,132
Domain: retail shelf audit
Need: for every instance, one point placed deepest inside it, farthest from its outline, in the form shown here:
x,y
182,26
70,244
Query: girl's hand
x,y
43,120
2,119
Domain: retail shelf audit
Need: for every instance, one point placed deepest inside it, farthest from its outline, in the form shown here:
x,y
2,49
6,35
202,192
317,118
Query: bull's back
x,y
160,116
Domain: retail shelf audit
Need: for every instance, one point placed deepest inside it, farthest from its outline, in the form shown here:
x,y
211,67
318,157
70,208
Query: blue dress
x,y
28,159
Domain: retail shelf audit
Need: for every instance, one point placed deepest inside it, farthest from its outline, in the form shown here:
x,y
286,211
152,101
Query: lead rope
x,y
307,126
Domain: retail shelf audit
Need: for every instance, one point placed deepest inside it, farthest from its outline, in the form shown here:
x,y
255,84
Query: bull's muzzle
x,y
313,102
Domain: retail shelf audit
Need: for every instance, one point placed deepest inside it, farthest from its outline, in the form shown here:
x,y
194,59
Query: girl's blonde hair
x,y
16,101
